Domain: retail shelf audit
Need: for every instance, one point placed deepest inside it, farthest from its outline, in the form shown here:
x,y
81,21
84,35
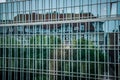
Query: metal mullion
x,y
80,51
11,49
42,52
63,28
95,38
22,51
4,57
108,55
104,51
27,56
56,46
118,52
77,50
89,50
15,55
47,62
33,51
98,53
49,52
61,52
86,52
115,54
71,54
69,51
8,55
36,51
40,60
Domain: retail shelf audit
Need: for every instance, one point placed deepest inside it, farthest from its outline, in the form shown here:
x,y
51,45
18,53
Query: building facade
x,y
59,40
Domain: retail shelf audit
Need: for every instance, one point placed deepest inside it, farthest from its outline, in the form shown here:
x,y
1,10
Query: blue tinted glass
x,y
69,3
85,2
61,3
77,2
94,1
85,9
111,26
54,4
47,2
118,7
113,8
33,4
103,9
3,7
94,10
27,5
102,1
114,0
77,10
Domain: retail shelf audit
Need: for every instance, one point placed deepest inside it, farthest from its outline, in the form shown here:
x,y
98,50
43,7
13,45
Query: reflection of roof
x,y
52,16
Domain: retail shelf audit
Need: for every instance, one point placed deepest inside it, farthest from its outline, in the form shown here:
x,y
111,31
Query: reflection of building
x,y
37,56
34,17
113,49
81,28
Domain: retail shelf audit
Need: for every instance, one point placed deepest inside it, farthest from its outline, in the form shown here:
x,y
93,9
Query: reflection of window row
x,y
55,28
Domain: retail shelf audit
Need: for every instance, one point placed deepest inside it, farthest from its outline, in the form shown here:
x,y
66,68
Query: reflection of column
x,y
114,52
52,65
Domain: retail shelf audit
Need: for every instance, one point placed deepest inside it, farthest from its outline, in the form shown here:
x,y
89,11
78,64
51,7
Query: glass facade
x,y
60,40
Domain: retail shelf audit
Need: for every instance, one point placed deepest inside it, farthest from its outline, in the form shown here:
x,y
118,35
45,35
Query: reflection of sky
x,y
1,1
96,10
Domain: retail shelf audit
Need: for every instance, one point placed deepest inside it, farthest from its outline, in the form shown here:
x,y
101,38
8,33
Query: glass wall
x,y
54,10
60,40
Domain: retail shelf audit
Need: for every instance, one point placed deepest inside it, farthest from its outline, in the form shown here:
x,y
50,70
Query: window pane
x,y
118,7
103,9
94,1
94,10
113,8
47,4
61,3
68,2
77,2
53,3
85,2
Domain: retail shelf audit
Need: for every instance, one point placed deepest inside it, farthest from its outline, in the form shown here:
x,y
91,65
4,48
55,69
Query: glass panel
x,y
113,8
85,9
47,4
102,1
27,5
103,9
54,3
61,3
85,2
33,4
94,10
94,1
118,9
77,2
69,3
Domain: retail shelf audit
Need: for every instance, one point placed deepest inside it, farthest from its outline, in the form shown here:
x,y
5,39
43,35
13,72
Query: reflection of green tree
x,y
8,40
43,49
8,51
39,52
85,55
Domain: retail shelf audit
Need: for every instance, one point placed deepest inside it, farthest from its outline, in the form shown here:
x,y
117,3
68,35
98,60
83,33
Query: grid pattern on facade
x,y
85,48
